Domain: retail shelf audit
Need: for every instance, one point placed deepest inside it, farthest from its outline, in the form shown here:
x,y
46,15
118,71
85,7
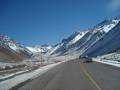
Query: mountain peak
x,y
83,40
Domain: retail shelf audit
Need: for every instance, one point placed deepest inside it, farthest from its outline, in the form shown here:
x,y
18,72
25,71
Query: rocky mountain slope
x,y
108,43
87,41
10,50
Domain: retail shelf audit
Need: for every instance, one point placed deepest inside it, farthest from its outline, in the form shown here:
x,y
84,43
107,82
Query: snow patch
x,y
78,37
111,59
8,84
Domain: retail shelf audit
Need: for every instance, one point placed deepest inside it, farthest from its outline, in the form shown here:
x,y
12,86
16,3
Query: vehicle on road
x,y
85,59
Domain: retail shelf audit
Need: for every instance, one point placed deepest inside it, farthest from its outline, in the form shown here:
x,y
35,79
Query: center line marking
x,y
89,77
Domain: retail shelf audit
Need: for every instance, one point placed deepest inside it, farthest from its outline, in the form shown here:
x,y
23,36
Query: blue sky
x,y
32,22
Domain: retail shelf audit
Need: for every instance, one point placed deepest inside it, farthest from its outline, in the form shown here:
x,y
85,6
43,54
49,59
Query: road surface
x,y
75,75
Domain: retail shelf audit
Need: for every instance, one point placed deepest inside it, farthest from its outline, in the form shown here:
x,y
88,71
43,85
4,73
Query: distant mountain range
x,y
40,49
99,40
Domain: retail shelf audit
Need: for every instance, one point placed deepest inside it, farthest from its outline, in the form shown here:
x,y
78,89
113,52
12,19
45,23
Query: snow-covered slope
x,y
107,25
106,44
40,49
83,40
64,46
78,36
11,50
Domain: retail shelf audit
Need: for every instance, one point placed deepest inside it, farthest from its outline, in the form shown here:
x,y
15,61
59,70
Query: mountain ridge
x,y
85,41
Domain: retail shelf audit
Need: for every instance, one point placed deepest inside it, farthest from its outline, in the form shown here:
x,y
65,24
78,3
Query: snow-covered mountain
x,y
82,41
99,40
66,44
40,49
108,43
11,50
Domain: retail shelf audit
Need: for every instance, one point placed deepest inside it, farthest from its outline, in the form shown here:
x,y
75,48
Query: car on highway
x,y
85,59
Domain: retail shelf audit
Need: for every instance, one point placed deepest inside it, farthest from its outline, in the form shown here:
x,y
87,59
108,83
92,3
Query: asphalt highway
x,y
76,75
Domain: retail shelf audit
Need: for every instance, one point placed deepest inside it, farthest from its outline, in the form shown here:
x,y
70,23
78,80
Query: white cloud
x,y
113,5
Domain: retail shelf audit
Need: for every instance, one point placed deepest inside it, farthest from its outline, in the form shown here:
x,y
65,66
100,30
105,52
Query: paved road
x,y
75,75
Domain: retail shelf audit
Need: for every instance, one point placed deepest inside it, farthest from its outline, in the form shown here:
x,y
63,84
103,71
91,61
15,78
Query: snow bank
x,y
3,77
109,62
7,84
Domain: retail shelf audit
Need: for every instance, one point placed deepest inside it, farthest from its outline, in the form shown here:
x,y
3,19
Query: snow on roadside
x,y
111,59
11,65
109,62
8,84
62,58
11,75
